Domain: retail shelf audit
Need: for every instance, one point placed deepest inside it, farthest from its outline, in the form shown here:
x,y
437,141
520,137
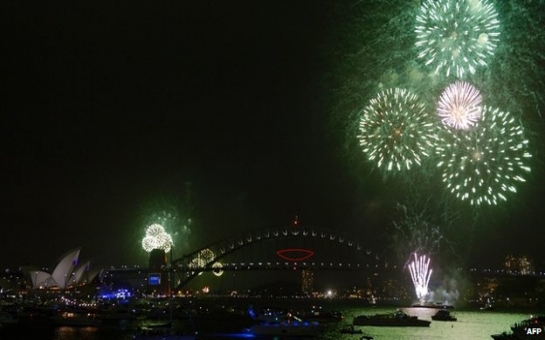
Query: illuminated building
x,y
307,281
67,273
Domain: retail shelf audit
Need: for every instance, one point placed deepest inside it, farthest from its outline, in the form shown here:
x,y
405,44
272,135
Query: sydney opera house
x,y
68,273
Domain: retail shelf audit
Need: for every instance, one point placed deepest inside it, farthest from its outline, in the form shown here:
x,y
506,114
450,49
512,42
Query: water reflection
x,y
73,333
470,325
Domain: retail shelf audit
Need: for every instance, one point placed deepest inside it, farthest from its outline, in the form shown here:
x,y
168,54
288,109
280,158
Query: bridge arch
x,y
205,258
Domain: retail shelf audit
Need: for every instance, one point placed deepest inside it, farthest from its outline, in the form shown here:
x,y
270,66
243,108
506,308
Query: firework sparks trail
x,y
420,274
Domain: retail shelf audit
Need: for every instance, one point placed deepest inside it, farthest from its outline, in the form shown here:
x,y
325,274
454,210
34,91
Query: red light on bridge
x,y
295,254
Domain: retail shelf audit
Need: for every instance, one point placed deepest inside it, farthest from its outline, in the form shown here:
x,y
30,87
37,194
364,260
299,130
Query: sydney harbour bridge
x,y
276,248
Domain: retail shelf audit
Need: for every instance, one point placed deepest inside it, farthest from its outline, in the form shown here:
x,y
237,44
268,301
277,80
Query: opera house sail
x,y
66,274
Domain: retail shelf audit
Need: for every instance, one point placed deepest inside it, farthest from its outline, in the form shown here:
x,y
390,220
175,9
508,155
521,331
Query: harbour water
x,y
471,324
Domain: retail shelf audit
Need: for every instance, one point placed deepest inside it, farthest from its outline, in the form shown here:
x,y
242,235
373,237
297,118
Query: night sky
x,y
222,107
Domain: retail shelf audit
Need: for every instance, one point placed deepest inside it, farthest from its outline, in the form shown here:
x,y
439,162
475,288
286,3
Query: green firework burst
x,y
456,36
485,164
396,131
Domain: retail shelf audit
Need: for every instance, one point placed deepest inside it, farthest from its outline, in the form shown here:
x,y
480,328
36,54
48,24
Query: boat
x,y
396,319
503,336
443,315
534,321
289,325
532,328
432,306
265,314
321,316
349,329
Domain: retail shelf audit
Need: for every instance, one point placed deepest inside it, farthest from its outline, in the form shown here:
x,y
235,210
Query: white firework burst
x,y
456,36
460,105
157,238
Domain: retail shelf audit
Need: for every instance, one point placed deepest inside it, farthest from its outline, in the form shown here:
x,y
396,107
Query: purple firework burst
x,y
460,105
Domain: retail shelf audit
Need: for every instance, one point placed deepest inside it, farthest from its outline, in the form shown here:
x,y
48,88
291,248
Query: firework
x,y
217,269
460,105
421,225
156,238
485,164
202,259
420,274
396,131
205,256
456,36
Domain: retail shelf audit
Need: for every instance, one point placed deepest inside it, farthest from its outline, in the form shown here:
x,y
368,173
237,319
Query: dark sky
x,y
109,109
